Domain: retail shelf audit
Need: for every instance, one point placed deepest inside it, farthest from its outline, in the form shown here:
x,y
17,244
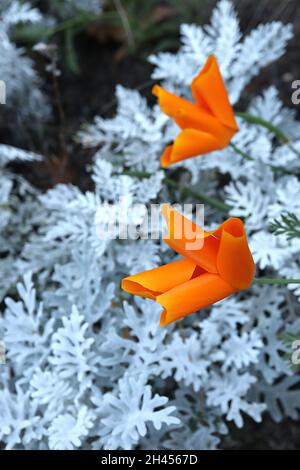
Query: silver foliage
x,y
84,368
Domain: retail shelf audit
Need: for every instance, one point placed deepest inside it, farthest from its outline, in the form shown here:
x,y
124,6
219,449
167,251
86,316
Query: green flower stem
x,y
246,156
34,33
210,200
5,207
240,152
136,174
268,125
262,122
268,281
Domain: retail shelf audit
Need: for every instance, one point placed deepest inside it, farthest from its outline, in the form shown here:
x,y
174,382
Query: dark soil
x,y
263,436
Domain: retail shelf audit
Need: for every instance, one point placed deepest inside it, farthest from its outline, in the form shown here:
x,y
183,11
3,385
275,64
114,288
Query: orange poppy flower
x,y
216,264
208,124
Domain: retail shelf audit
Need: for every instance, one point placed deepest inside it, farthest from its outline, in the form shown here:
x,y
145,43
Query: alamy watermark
x,y
2,92
125,220
296,93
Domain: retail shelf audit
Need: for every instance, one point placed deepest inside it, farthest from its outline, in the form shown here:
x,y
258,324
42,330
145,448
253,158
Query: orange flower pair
x,y
216,264
208,124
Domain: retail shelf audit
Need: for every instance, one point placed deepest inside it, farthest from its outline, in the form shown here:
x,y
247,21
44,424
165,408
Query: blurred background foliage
x,y
139,28
96,50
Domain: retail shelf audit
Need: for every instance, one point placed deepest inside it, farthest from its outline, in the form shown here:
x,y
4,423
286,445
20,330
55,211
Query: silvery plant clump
x,y
23,85
88,366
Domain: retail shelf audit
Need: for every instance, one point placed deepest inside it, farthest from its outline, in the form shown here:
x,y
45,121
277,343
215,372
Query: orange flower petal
x,y
185,286
158,280
188,116
176,107
190,241
235,262
191,296
207,125
224,250
165,159
191,143
209,92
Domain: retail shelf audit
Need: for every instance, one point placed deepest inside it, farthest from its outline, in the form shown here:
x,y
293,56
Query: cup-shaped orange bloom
x,y
215,265
208,124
